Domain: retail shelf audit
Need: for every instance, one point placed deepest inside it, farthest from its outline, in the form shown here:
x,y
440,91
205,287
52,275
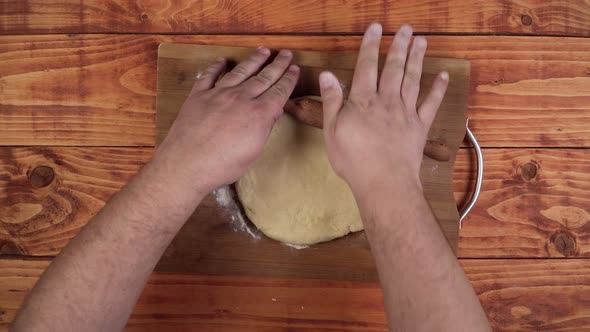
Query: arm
x,y
375,142
95,281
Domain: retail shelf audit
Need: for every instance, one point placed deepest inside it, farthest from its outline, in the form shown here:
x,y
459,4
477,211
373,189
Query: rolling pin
x,y
309,111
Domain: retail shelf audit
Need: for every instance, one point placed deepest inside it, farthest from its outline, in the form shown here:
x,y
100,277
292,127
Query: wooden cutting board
x,y
209,243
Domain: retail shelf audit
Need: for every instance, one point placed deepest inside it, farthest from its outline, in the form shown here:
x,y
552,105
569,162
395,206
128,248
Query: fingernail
x,y
293,68
285,53
420,42
220,59
444,76
263,50
375,29
405,30
325,80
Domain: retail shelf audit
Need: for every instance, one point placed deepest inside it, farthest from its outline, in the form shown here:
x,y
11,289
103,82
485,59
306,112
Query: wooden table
x,y
77,106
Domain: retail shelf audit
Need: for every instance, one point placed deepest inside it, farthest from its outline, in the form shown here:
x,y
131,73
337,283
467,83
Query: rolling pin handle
x,y
309,111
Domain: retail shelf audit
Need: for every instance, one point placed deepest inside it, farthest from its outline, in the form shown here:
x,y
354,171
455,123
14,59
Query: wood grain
x,y
77,91
99,90
531,17
40,220
534,203
517,295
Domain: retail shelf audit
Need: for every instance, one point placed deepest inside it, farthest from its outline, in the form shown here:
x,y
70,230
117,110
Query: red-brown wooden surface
x,y
531,17
519,295
77,114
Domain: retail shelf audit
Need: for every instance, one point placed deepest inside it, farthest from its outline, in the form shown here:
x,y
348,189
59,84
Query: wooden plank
x,y
531,17
48,194
534,203
77,91
99,90
517,295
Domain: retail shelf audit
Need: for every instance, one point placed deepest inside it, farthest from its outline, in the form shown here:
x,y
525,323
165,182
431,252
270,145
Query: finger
x,y
268,76
245,69
430,105
365,73
278,94
332,99
395,63
206,80
411,81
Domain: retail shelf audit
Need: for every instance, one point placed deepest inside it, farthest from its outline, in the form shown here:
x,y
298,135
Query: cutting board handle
x,y
479,178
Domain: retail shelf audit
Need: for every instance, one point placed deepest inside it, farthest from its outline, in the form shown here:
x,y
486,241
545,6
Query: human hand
x,y
223,125
378,135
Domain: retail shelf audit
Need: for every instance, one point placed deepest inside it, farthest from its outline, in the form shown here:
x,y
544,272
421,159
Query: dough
x,y
292,194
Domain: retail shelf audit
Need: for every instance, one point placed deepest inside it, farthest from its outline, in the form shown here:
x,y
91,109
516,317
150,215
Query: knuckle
x,y
290,78
264,78
213,69
201,77
229,77
280,60
240,71
258,58
205,75
398,61
412,77
359,102
279,89
229,94
215,66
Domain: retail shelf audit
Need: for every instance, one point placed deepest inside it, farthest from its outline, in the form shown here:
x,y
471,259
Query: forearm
x,y
94,283
424,286
220,130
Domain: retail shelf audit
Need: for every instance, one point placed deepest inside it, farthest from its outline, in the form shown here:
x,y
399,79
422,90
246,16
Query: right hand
x,y
377,136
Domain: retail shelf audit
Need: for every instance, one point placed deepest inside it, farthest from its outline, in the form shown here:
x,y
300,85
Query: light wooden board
x,y
100,90
208,244
535,17
516,294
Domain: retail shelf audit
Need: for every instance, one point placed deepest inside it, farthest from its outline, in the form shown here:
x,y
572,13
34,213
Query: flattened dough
x,y
292,194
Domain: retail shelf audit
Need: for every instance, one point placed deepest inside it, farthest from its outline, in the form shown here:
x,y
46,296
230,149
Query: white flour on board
x,y
434,169
224,197
296,246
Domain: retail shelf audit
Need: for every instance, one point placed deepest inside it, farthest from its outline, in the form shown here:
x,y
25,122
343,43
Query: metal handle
x,y
479,178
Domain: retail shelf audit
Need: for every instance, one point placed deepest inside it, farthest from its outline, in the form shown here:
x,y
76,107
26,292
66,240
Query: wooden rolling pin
x,y
309,111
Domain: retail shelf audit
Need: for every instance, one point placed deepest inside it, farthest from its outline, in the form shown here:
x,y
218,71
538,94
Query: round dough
x,y
292,194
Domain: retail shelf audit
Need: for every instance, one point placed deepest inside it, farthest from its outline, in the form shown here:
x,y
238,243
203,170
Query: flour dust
x,y
225,198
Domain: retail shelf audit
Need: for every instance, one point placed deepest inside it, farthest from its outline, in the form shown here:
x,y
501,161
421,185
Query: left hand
x,y
224,124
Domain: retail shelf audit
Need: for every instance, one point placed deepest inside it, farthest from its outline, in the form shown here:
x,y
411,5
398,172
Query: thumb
x,y
331,98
